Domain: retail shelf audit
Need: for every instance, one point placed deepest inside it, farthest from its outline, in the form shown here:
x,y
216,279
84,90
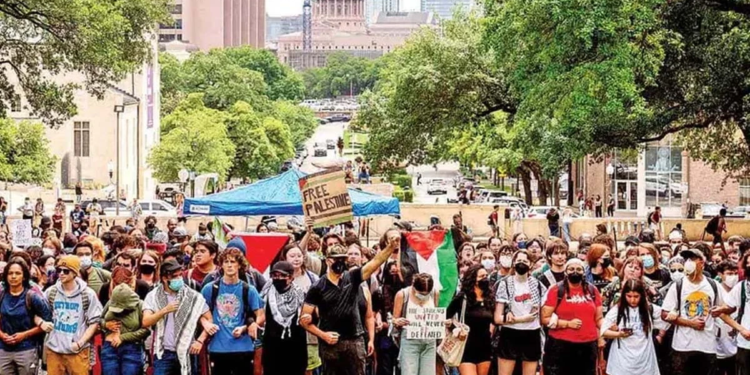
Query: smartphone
x,y
628,331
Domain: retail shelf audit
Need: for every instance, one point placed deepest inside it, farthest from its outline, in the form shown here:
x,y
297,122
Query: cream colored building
x,y
87,145
339,26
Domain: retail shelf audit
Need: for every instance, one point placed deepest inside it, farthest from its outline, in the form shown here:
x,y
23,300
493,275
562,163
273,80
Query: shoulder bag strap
x,y
463,310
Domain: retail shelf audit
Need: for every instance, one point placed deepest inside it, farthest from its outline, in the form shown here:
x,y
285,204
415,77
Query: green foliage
x,y
283,83
24,153
103,40
301,120
403,181
196,139
408,196
342,75
255,155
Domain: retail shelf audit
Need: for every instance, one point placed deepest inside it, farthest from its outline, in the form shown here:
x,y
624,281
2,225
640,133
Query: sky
x,y
276,8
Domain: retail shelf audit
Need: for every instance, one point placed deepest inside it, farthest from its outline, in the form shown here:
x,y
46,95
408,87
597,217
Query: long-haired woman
x,y
600,271
630,324
480,306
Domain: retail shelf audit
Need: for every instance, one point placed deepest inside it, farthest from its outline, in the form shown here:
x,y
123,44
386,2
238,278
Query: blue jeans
x,y
417,357
127,359
167,365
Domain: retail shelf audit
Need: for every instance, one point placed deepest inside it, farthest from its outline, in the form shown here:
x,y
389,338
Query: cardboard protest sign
x,y
325,198
21,231
425,323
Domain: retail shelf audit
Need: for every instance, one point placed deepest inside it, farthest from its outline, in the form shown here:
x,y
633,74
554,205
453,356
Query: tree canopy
x,y
24,155
102,39
343,74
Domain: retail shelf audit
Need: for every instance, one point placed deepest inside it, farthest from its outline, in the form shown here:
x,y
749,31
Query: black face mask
x,y
338,267
521,268
575,277
606,262
280,285
147,268
84,227
483,284
150,225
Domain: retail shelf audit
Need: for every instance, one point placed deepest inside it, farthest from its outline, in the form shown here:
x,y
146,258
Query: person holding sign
x,y
519,299
417,355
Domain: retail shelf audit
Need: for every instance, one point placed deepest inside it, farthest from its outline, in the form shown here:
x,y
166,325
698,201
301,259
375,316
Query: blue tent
x,y
280,195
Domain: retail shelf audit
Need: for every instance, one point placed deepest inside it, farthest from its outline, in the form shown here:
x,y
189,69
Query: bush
x,y
403,181
399,194
408,196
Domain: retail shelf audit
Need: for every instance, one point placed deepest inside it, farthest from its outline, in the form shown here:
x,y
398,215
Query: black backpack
x,y
678,287
249,313
713,225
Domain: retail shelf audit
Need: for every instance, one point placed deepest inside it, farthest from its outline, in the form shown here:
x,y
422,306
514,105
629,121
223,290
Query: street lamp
x,y
610,170
111,170
118,109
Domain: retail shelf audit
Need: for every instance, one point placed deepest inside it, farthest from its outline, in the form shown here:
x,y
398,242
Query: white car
x,y
157,207
437,186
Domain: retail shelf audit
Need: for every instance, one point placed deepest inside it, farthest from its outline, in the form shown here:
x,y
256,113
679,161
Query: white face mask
x,y
676,276
85,262
48,251
488,264
505,261
689,267
732,280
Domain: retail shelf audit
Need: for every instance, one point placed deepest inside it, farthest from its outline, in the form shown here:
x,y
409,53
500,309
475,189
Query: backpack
x,y
713,225
743,297
678,287
249,314
648,217
53,294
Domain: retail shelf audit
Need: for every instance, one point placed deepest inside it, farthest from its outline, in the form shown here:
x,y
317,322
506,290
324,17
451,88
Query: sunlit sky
x,y
277,8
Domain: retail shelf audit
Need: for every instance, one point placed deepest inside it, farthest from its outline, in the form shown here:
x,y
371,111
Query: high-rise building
x,y
217,23
444,8
372,7
278,26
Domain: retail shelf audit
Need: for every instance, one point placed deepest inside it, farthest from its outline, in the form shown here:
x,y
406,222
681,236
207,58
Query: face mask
x,y
176,284
488,264
664,260
505,261
674,247
521,268
690,266
677,276
648,261
151,225
575,277
280,285
483,284
732,280
423,297
97,264
147,268
606,262
49,252
521,244
338,267
84,228
85,262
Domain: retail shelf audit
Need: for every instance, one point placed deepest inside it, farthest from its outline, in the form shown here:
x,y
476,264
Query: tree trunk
x,y
543,185
524,174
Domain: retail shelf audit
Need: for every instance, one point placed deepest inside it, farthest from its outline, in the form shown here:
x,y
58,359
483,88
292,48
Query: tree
x,y
256,155
283,83
24,153
103,40
196,139
301,120
343,74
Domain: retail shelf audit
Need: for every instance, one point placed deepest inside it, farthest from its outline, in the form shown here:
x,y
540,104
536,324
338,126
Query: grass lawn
x,y
358,138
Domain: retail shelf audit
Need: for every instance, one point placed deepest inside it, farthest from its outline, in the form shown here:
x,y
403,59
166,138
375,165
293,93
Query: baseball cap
x,y
179,232
403,225
170,267
283,267
632,241
692,254
336,251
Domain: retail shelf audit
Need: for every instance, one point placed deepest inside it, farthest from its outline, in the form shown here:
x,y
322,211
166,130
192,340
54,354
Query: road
x,y
323,133
445,171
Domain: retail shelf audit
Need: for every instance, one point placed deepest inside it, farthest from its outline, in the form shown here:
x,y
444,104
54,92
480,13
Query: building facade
x,y
444,8
662,174
340,26
373,7
217,23
278,26
88,146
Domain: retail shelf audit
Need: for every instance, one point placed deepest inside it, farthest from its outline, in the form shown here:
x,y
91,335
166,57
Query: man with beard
x,y
336,297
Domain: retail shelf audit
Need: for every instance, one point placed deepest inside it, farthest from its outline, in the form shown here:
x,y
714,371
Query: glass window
x,y
145,206
664,175
81,138
745,191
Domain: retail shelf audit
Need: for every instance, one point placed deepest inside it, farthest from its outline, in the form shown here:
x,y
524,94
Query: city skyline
x,y
277,8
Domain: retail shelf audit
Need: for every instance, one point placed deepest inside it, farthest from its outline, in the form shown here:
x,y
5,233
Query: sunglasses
x,y
64,271
673,271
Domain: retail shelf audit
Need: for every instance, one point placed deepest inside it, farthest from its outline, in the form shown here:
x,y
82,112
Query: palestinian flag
x,y
220,232
262,248
432,252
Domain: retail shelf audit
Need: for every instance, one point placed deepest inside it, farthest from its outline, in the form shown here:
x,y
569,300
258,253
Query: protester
x,y
335,295
122,351
479,308
204,257
726,337
285,342
94,277
417,356
19,335
519,299
599,272
148,268
553,222
629,323
467,252
237,310
126,261
75,320
573,313
383,304
653,270
174,311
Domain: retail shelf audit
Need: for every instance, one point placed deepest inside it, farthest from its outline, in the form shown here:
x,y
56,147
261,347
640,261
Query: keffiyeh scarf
x,y
284,306
186,320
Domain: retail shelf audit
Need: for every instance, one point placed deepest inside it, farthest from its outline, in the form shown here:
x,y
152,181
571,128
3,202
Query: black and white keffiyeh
x,y
284,306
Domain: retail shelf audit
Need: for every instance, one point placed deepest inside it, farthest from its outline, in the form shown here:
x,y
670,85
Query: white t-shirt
x,y
734,300
634,354
522,302
697,301
726,346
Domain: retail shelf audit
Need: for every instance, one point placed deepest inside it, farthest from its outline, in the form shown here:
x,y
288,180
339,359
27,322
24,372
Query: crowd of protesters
x,y
139,298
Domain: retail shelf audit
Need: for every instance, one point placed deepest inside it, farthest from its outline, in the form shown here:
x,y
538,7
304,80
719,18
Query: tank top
x,y
411,303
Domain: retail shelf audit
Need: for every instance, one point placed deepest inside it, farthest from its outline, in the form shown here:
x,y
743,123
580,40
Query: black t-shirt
x,y
338,304
558,276
599,281
660,277
141,289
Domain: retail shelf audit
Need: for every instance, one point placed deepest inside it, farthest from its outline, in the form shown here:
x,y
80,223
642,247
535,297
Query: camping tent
x,y
280,195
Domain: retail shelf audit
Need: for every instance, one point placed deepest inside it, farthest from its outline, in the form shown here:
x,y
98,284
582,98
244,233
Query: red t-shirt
x,y
576,306
198,275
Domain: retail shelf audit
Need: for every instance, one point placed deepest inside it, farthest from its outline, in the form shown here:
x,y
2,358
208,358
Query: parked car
x,y
320,150
286,166
741,211
339,118
157,207
437,186
331,144
323,121
108,206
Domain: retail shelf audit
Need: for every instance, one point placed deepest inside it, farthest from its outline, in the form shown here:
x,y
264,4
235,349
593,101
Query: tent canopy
x,y
280,195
